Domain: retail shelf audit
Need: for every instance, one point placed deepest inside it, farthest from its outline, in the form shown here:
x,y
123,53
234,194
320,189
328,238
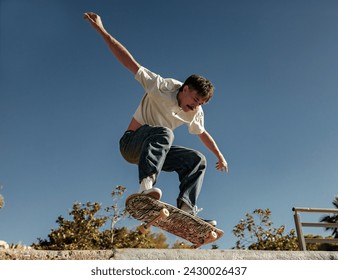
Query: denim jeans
x,y
150,147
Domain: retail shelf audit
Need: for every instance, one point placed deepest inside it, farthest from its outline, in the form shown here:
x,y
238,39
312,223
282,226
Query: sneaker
x,y
194,212
155,193
211,222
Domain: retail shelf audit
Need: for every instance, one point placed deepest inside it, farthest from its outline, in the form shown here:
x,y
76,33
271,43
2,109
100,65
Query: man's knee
x,y
167,133
200,159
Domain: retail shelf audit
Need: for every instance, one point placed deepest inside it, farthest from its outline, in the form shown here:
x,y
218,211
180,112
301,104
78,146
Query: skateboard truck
x,y
164,213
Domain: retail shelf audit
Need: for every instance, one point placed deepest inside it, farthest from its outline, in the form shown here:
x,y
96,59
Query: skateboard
x,y
171,219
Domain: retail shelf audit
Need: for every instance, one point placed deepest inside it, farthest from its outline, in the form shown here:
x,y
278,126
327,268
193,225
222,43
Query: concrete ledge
x,y
165,254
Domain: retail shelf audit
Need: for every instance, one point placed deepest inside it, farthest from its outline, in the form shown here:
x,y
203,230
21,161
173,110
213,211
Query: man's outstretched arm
x,y
120,52
210,143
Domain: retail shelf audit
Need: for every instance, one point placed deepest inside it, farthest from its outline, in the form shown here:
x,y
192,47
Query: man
x,y
148,140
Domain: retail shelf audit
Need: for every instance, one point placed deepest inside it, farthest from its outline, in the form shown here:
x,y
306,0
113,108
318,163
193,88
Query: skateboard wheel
x,y
164,213
143,228
213,235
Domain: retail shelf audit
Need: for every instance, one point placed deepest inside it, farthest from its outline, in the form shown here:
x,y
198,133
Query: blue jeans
x,y
150,147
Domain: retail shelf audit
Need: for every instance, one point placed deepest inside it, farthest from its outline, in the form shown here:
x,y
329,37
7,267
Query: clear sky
x,y
65,102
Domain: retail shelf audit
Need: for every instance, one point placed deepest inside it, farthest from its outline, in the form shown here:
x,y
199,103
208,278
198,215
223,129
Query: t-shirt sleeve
x,y
154,83
196,126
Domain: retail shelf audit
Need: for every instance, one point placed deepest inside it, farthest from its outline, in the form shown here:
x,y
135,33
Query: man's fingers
x,y
89,16
221,167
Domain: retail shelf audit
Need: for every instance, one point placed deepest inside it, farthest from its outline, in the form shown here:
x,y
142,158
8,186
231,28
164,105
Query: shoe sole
x,y
155,194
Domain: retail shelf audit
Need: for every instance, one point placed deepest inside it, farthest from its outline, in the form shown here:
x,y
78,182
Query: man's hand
x,y
222,165
210,143
94,19
120,52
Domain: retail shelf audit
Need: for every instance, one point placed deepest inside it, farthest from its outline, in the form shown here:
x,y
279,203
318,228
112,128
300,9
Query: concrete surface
x,y
165,254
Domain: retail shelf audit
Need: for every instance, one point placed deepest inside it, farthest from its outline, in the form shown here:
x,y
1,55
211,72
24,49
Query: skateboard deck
x,y
171,219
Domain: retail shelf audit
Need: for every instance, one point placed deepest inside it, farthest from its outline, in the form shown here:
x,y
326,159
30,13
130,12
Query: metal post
x,y
301,239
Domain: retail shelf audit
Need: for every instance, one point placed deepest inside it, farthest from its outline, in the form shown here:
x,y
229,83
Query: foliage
x,y
334,234
80,233
125,238
114,212
261,235
332,219
2,201
87,230
84,232
180,245
319,246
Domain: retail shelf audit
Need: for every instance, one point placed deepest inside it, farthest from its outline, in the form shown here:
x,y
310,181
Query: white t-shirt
x,y
159,105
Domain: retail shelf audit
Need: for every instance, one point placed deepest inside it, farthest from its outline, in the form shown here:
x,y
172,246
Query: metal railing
x,y
299,226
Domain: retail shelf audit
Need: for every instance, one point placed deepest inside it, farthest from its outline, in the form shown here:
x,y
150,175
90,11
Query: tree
x,y
261,235
114,211
84,232
2,201
125,238
81,233
180,245
332,219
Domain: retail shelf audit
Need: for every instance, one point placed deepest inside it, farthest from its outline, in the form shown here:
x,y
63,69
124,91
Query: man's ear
x,y
186,89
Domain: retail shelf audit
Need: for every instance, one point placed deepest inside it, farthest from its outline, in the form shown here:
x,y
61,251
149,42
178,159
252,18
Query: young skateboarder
x,y
148,140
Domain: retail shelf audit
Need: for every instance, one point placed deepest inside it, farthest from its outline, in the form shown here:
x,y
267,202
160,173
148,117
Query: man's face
x,y
189,99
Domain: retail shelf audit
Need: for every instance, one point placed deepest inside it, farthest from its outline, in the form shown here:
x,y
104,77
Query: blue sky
x,y
65,102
